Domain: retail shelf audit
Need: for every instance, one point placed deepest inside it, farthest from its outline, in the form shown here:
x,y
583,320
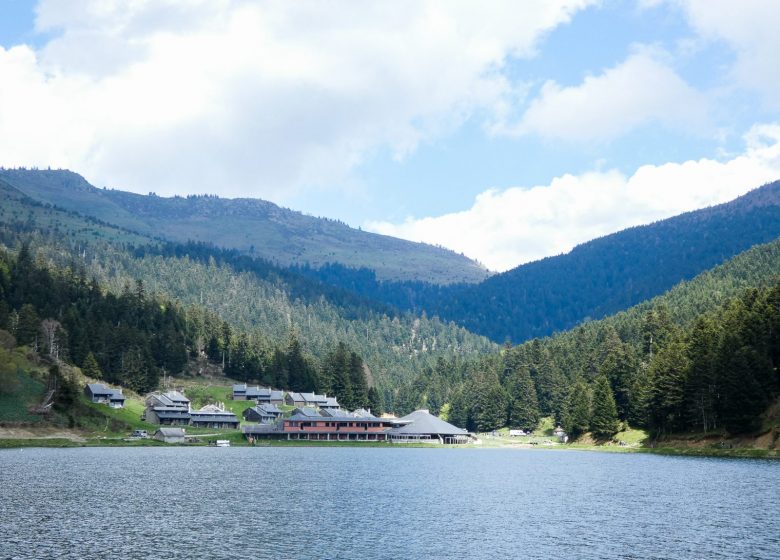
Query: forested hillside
x,y
594,280
263,306
252,226
133,338
691,359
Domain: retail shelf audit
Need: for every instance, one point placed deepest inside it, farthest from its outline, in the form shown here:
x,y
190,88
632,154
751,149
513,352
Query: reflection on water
x,y
383,503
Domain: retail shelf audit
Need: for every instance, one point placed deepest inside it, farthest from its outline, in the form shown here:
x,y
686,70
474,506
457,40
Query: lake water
x,y
211,503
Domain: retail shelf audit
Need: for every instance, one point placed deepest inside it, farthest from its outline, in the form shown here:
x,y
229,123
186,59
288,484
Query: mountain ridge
x,y
254,226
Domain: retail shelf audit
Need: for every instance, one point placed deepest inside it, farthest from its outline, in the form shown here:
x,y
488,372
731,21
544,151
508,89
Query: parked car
x,y
140,434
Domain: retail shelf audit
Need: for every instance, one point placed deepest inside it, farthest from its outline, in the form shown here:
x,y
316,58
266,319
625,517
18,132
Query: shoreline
x,y
81,442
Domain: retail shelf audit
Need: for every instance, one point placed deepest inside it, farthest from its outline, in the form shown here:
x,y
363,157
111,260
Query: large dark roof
x,y
423,422
183,414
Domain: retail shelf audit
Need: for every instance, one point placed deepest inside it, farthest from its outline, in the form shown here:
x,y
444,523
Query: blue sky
x,y
507,131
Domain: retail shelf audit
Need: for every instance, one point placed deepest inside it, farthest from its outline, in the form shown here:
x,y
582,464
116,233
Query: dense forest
x,y
702,357
133,338
594,280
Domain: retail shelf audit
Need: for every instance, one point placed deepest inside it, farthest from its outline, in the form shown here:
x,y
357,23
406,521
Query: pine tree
x,y
90,367
375,402
668,375
523,407
357,377
27,330
701,389
620,366
579,410
604,419
742,399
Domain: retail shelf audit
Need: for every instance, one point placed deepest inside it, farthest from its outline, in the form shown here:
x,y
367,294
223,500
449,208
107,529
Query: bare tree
x,y
50,328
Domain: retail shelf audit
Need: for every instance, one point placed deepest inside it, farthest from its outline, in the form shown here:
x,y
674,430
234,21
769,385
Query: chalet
x,y
311,400
167,409
260,394
99,393
422,426
213,416
329,403
262,413
171,398
270,396
169,435
245,393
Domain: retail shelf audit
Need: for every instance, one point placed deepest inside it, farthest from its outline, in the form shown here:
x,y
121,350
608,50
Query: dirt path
x,y
41,433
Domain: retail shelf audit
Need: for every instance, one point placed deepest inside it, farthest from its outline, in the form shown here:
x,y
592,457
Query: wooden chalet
x,y
170,435
324,425
167,409
311,400
262,413
99,393
213,416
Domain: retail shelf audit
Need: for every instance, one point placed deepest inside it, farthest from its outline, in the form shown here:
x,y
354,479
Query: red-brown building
x,y
328,425
335,425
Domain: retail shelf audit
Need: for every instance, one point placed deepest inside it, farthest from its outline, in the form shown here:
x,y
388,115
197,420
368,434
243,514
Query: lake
x,y
273,502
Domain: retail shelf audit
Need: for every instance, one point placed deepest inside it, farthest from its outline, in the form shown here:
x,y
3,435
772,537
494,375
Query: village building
x,y
213,416
328,424
262,413
423,427
262,395
167,409
170,435
99,393
310,400
270,396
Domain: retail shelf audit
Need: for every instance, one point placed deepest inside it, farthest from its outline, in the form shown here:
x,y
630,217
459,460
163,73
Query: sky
x,y
507,131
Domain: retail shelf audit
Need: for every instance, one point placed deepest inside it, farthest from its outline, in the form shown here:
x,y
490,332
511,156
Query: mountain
x,y
594,280
262,303
700,357
255,227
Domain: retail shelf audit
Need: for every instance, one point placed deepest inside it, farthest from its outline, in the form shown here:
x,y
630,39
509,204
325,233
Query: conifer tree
x,y
668,375
27,330
604,419
90,367
357,377
579,410
523,405
375,402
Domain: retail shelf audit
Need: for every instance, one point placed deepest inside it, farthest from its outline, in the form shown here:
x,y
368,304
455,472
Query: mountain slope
x,y
594,280
253,226
255,297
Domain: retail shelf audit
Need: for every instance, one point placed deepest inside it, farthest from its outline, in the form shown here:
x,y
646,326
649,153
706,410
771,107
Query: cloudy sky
x,y
508,131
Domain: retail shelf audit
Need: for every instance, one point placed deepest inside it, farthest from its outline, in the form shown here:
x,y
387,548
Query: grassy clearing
x,y
14,405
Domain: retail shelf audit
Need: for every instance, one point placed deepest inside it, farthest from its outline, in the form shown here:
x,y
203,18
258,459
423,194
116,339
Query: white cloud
x,y
641,89
749,27
252,98
506,228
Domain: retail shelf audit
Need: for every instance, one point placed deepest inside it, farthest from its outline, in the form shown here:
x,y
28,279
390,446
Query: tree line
x,y
133,338
718,372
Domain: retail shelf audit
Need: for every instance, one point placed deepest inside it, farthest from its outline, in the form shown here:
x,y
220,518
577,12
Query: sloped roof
x,y
99,389
269,408
423,422
307,412
171,432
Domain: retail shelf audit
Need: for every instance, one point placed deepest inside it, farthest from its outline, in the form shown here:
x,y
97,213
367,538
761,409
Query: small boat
x,y
223,443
